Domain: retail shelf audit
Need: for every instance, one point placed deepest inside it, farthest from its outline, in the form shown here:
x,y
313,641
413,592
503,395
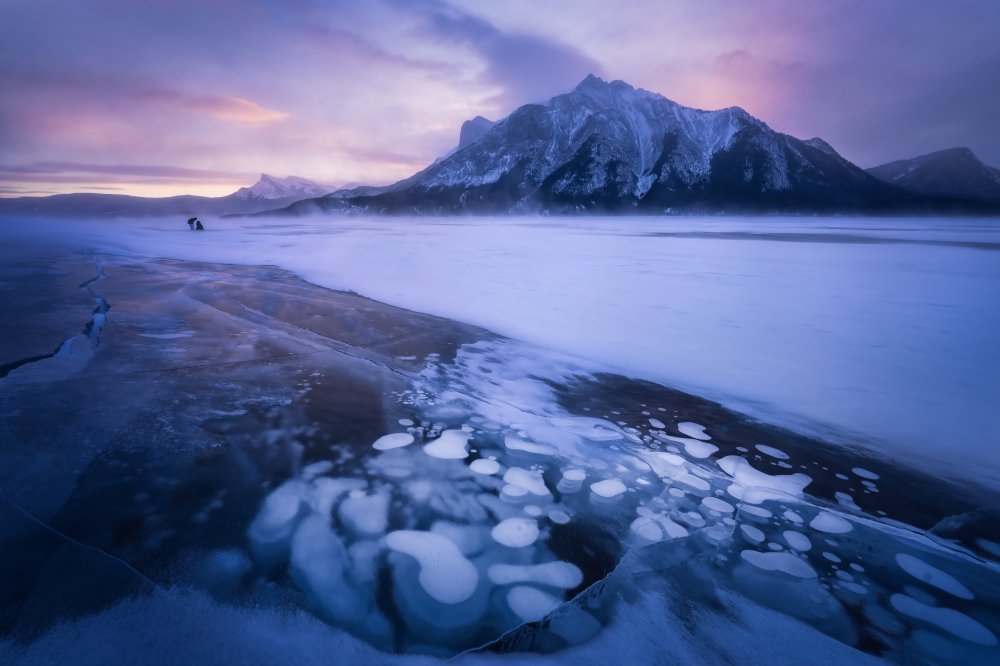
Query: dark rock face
x,y
473,130
955,172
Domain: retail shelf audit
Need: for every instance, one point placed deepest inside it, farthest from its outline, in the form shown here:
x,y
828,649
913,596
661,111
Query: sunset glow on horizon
x,y
172,97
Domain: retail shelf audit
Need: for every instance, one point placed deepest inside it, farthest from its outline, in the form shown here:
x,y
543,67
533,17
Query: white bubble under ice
x,y
693,430
555,574
608,488
445,574
394,441
449,446
531,604
933,576
779,561
830,523
771,451
484,466
515,532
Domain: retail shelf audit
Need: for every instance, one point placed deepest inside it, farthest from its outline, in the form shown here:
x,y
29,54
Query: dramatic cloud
x,y
347,91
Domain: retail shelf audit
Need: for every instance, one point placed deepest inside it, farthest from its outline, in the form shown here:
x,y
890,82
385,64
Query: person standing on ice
x,y
191,221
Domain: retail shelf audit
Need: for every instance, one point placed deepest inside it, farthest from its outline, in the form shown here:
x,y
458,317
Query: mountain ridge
x,y
607,147
955,172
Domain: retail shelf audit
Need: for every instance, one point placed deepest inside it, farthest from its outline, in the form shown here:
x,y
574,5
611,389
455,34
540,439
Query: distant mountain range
x,y
268,193
955,172
606,147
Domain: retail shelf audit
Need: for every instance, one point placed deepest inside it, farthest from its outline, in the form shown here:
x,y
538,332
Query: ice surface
x,y
885,361
451,445
516,532
932,576
445,574
393,441
865,474
657,423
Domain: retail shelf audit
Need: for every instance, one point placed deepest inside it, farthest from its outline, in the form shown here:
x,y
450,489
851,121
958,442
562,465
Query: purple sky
x,y
161,97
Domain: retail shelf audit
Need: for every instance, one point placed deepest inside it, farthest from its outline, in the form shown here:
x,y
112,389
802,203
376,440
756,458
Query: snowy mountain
x,y
290,187
609,147
955,172
268,193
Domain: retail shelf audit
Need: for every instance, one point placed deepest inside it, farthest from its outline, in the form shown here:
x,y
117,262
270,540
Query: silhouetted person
x,y
198,226
191,221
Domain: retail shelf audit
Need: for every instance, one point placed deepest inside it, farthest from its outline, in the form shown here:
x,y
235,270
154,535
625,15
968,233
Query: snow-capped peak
x,y
272,187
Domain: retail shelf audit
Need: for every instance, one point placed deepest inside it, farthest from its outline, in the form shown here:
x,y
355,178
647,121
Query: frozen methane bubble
x,y
445,574
716,504
394,441
830,523
865,474
693,430
797,540
271,530
449,446
780,561
531,604
517,444
559,517
556,574
752,534
608,488
933,576
515,532
529,480
484,466
318,566
365,515
952,621
694,447
754,486
657,423
771,451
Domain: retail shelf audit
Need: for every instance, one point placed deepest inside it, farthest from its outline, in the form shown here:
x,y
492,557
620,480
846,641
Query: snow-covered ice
x,y
741,300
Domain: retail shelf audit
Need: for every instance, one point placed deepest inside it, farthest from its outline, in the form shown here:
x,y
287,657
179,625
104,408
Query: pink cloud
x,y
231,109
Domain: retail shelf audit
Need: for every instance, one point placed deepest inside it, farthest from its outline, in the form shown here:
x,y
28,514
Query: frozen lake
x,y
878,333
215,448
